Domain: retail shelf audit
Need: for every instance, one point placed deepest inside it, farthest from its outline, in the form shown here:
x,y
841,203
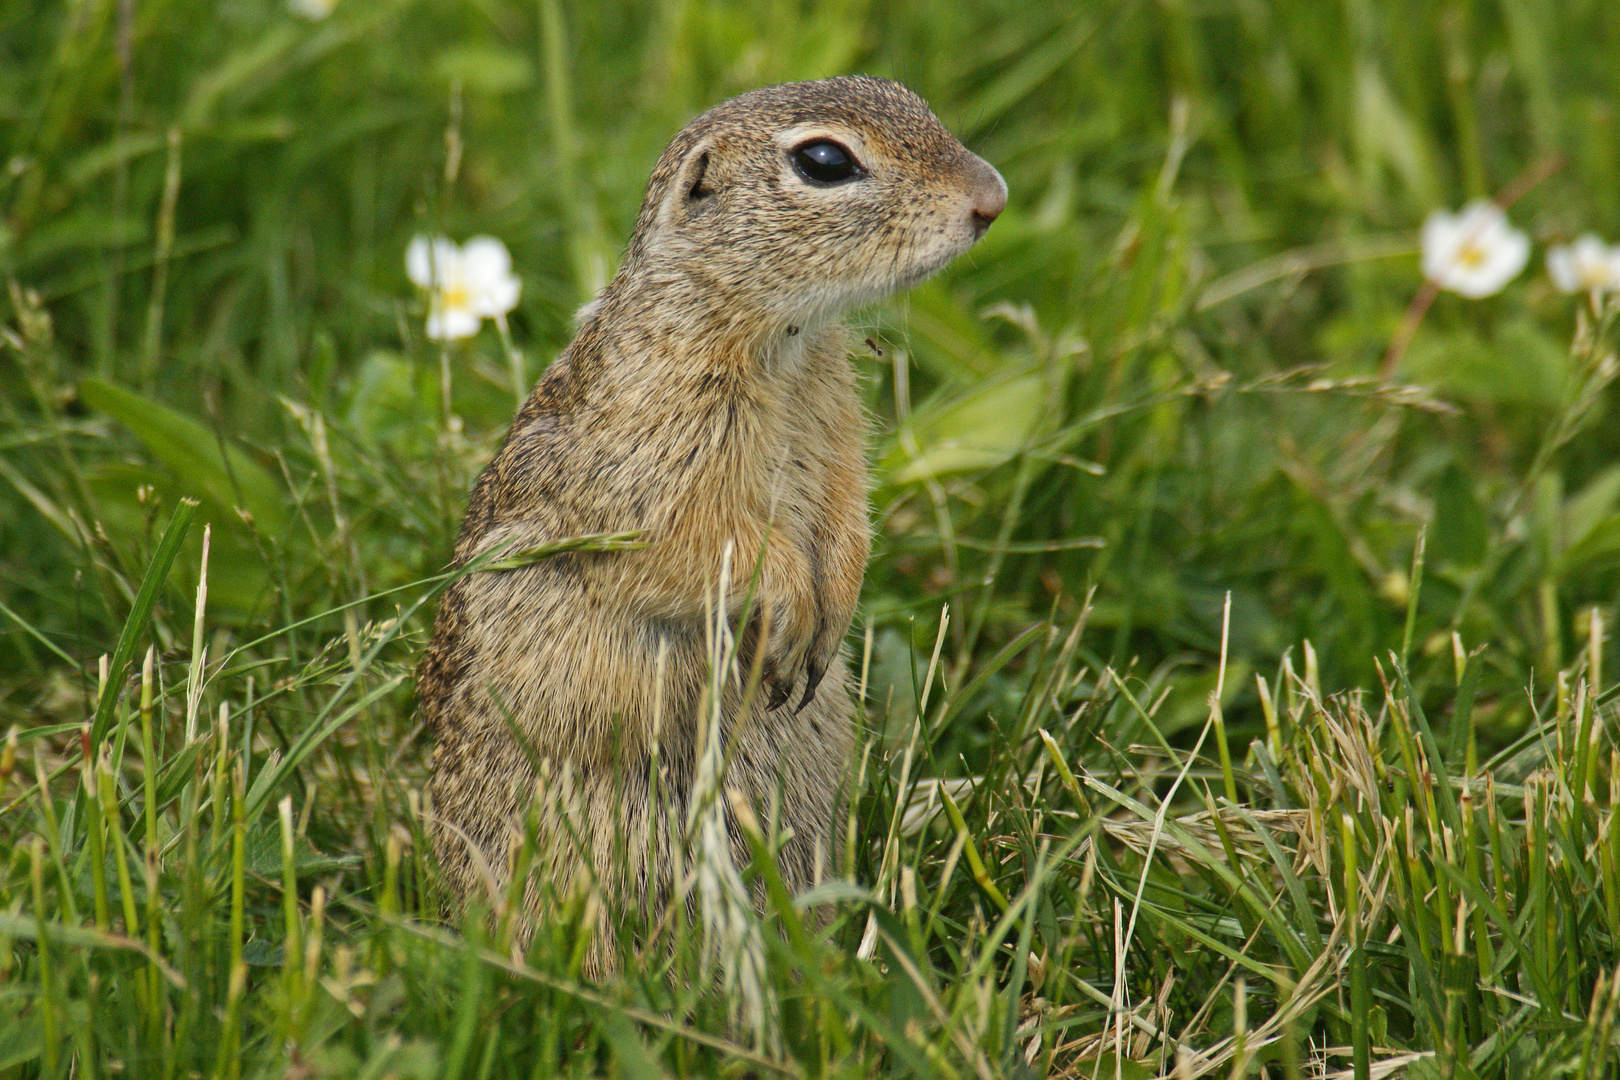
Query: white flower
x,y
1474,252
1587,265
313,10
465,284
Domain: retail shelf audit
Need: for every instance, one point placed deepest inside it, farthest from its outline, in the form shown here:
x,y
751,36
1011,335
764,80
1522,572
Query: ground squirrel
x,y
707,399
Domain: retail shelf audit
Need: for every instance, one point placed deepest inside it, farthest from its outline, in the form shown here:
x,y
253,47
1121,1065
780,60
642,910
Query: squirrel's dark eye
x,y
825,162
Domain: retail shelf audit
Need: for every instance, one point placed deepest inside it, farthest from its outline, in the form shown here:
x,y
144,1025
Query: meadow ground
x,y
1238,700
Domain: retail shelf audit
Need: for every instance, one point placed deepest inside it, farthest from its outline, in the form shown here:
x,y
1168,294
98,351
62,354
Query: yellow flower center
x,y
1471,256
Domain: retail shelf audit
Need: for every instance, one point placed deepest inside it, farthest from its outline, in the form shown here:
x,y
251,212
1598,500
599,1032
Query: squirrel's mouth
x,y
931,261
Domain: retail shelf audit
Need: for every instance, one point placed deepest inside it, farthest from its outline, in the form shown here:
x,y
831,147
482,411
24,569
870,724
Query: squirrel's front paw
x,y
822,652
780,673
777,690
790,648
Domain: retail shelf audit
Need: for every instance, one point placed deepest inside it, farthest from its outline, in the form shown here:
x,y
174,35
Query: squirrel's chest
x,y
812,396
817,449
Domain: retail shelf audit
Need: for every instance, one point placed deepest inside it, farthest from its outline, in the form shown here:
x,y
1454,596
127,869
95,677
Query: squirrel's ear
x,y
701,177
696,181
697,178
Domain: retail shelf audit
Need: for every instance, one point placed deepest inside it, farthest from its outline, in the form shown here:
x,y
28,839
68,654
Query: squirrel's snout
x,y
989,195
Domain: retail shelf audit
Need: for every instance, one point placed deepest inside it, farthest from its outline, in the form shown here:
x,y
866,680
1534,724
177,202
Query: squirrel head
x,y
793,203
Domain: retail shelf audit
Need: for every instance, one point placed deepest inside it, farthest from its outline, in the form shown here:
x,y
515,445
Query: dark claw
x,y
812,679
779,695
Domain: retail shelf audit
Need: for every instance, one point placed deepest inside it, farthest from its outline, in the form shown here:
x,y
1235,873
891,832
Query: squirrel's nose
x,y
989,195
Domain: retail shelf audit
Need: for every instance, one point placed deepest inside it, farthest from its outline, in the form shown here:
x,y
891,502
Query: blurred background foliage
x,y
1153,378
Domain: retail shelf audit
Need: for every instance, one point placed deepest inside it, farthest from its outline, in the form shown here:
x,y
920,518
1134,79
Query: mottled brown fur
x,y
707,399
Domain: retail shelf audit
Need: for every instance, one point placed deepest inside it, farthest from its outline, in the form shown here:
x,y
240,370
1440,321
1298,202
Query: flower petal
x,y
1475,252
1508,258
499,298
1588,249
1481,214
1587,265
451,322
486,262
1439,242
1561,268
431,261
418,266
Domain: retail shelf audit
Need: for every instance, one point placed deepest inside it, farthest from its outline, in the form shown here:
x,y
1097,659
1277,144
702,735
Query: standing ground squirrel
x,y
707,400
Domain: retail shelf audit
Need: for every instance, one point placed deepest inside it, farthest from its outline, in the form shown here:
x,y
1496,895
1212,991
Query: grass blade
x,y
145,600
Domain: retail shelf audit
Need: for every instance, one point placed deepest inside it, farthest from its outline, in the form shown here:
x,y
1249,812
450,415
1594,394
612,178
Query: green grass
x,y
1229,709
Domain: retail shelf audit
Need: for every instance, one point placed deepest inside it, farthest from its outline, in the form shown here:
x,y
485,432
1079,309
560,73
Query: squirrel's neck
x,y
695,324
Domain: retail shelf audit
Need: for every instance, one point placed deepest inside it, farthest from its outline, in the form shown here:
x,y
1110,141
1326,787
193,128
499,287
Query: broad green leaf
x,y
1521,366
262,854
20,1042
192,452
1600,542
1591,506
392,403
979,431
